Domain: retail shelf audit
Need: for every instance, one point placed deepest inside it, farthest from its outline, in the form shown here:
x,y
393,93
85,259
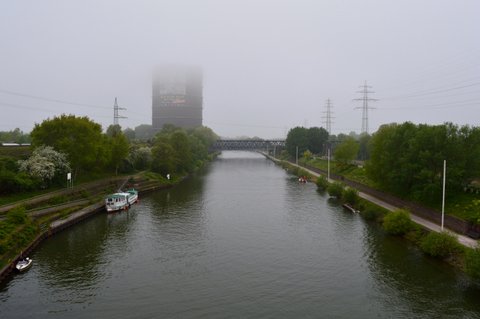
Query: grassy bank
x,y
465,206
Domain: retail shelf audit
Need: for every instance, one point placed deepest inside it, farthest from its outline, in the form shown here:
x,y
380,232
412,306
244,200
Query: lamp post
x,y
296,157
328,164
443,195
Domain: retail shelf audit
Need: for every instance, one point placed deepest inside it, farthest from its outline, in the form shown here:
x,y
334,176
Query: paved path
x,y
464,240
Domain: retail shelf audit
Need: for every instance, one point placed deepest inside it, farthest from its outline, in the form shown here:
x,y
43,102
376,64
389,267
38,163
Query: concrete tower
x,y
177,97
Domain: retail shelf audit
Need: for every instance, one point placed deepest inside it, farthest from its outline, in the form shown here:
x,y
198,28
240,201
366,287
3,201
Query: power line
x,y
328,117
34,108
51,99
474,102
430,92
365,99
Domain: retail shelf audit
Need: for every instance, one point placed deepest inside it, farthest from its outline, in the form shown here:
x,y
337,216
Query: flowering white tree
x,y
141,157
45,163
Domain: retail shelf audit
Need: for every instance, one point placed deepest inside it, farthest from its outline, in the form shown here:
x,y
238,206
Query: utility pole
x,y
116,116
328,116
443,192
365,99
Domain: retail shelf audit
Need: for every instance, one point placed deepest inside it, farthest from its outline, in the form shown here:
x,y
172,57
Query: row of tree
x,y
407,159
14,136
77,144
316,140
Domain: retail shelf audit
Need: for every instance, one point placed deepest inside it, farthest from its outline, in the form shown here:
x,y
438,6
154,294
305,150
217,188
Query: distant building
x,y
177,97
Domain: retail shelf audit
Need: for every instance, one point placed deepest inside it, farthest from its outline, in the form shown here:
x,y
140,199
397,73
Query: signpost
x,y
69,180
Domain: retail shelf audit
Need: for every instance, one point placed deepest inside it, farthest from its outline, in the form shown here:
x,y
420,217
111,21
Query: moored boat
x,y
24,264
116,202
133,196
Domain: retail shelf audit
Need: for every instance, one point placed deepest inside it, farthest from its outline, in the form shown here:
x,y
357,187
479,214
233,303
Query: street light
x,y
328,164
296,157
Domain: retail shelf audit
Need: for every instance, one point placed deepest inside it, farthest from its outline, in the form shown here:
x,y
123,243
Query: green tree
x,y
117,145
78,137
363,152
183,154
297,137
163,157
144,132
205,135
407,159
129,134
347,151
317,138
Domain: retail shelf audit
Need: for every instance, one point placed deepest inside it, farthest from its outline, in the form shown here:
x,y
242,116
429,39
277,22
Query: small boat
x,y
133,196
116,202
24,264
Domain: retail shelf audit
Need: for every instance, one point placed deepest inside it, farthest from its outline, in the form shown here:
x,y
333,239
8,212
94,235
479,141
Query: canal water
x,y
241,239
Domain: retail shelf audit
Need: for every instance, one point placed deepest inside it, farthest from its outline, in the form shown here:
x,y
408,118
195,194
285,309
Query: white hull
x,y
23,265
116,202
121,201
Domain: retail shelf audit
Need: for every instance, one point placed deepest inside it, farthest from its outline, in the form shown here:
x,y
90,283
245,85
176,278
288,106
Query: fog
x,y
268,65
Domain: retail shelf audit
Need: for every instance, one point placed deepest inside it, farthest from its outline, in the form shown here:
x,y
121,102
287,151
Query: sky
x,y
268,65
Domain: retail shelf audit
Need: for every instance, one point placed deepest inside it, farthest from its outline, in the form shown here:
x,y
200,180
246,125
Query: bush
x,y
439,245
397,222
472,262
322,183
350,195
335,190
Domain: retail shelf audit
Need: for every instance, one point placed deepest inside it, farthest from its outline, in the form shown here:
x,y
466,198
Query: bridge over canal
x,y
248,145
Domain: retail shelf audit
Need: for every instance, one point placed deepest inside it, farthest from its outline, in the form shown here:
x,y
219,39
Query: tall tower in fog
x,y
177,97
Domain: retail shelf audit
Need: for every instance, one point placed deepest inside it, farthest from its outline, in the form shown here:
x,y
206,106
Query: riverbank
x,y
50,222
464,240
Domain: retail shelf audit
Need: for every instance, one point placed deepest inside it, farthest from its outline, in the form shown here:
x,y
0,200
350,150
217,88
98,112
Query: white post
x,y
328,164
443,196
296,157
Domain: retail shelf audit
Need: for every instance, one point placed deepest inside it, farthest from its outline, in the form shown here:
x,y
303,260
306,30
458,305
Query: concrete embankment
x,y
55,227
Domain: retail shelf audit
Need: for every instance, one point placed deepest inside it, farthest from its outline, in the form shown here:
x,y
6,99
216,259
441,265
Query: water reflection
x,y
242,239
417,284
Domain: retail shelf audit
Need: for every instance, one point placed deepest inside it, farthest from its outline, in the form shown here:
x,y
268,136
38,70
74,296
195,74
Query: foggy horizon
x,y
268,66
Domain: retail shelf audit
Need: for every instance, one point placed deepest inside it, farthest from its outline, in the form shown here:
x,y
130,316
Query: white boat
x,y
116,202
133,196
24,264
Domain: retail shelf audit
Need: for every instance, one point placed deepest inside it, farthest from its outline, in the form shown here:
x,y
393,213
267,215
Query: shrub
x,y
397,222
322,183
335,190
472,262
350,195
439,245
302,172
